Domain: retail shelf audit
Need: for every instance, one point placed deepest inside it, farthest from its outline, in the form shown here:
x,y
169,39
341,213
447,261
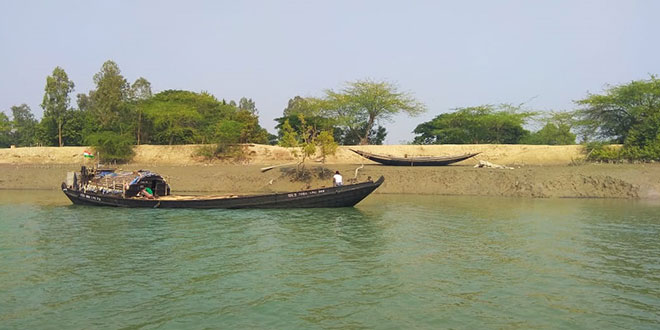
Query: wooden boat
x,y
107,188
414,161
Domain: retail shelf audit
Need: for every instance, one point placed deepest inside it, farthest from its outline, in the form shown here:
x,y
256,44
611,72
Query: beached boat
x,y
414,161
129,189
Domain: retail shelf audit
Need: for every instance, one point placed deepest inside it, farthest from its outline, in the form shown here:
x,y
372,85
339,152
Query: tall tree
x,y
628,114
619,110
364,103
247,104
5,130
109,99
24,125
140,91
56,98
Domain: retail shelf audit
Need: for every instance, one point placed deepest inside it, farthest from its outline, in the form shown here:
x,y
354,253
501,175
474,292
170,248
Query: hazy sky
x,y
447,53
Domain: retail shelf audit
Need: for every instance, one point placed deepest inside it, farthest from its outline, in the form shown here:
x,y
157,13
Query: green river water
x,y
392,262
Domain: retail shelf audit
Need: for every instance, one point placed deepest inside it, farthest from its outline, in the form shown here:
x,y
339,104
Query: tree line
x,y
117,115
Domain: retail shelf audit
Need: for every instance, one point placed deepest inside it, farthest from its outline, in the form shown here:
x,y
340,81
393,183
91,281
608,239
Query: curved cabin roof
x,y
109,177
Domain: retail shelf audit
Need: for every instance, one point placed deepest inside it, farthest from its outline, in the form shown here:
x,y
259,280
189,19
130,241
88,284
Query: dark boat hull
x,y
413,161
343,196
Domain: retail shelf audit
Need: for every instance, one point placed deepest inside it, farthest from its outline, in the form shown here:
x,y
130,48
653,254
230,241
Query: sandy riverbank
x,y
270,155
539,171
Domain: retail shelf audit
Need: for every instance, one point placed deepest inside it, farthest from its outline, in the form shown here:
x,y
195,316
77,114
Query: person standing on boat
x,y
337,180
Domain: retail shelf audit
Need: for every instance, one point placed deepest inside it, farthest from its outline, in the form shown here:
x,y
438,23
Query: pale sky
x,y
448,54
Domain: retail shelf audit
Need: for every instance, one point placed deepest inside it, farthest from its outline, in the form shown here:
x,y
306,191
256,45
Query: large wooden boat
x,y
414,161
126,189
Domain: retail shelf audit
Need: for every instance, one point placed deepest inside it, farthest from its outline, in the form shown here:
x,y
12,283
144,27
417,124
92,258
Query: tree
x,y
473,125
108,100
327,144
56,98
173,123
247,104
24,125
348,137
557,130
318,116
613,114
5,131
362,104
139,92
289,138
628,114
551,134
306,106
112,147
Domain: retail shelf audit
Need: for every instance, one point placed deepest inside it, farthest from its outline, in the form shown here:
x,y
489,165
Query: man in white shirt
x,y
337,179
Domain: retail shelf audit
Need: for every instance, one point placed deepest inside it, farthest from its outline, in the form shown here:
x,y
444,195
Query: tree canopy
x,y
364,103
475,125
354,113
556,131
628,114
56,99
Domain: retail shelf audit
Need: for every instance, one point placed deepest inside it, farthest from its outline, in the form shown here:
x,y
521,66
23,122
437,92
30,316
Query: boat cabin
x,y
126,184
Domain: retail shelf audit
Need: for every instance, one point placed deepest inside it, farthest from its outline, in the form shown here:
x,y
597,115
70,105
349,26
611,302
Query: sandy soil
x,y
270,155
539,171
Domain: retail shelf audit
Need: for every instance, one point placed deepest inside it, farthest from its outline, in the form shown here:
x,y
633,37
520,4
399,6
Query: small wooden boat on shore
x,y
126,189
414,161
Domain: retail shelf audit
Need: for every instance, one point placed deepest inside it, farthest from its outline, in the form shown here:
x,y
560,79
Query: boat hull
x,y
343,196
413,161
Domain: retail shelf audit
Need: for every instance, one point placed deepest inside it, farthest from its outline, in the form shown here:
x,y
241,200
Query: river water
x,y
392,262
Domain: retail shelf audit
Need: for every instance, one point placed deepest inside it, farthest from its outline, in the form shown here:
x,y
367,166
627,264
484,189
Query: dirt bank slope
x,y
268,155
610,181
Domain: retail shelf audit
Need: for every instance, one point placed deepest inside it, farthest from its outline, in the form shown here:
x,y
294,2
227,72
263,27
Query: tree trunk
x,y
59,131
365,139
139,126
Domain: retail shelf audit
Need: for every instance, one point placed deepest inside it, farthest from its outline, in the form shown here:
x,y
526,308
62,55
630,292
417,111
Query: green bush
x,y
645,153
603,152
112,147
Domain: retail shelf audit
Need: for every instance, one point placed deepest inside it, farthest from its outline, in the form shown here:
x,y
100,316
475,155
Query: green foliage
x,y
326,143
474,125
350,137
112,147
362,104
551,134
602,152
173,123
248,105
5,131
56,98
250,129
307,106
140,90
24,126
317,114
628,114
289,138
317,122
307,138
108,101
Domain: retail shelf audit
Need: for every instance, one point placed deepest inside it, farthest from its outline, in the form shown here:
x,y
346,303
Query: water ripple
x,y
393,262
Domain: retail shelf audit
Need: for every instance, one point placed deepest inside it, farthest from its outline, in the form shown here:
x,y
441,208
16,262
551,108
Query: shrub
x,y
602,152
112,147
